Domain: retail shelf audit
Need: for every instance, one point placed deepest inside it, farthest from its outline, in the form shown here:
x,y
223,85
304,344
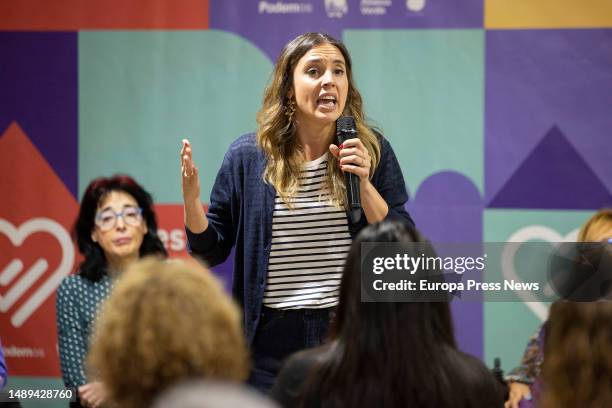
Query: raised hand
x,y
195,219
189,174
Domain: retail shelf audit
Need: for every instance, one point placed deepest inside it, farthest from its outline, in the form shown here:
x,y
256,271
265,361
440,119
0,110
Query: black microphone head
x,y
497,363
345,125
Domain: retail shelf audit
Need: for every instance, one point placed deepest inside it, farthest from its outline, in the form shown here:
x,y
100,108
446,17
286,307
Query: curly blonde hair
x,y
163,322
577,368
276,133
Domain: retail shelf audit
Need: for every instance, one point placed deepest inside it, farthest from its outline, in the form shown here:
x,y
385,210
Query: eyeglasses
x,y
107,219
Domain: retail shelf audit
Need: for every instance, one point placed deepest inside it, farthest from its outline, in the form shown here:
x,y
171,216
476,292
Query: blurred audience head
x,y
589,276
356,319
164,322
116,220
598,228
386,353
212,394
577,368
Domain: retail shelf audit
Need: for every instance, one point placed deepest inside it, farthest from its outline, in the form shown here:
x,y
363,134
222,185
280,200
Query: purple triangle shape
x,y
553,176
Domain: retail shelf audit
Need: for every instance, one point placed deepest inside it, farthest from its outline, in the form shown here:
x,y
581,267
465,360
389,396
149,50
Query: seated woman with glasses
x,y
116,225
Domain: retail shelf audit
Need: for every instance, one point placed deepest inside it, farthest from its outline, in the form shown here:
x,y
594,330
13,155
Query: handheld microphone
x,y
345,129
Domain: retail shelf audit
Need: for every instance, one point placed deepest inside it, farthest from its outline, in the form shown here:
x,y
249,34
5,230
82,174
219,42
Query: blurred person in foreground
x,y
522,380
577,368
212,394
163,323
387,354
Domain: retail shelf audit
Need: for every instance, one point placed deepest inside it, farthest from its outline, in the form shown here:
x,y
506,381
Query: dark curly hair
x,y
94,265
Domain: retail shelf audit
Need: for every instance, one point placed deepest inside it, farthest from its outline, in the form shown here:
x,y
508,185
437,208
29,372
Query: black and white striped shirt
x,y
309,245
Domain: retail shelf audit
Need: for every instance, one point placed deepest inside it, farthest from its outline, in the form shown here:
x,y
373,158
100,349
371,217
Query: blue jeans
x,y
281,333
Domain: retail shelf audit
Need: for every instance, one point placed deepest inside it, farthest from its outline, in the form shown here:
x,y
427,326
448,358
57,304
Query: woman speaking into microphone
x,y
280,198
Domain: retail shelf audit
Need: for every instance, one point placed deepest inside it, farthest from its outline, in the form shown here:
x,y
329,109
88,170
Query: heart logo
x,y
526,234
7,275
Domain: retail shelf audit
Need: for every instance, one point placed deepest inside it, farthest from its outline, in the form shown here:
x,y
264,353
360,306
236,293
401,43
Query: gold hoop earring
x,y
290,109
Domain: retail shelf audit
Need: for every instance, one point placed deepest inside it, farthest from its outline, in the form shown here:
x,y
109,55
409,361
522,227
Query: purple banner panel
x,y
448,207
543,177
547,119
39,91
270,24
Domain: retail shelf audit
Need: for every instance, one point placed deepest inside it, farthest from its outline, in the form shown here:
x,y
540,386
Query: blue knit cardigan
x,y
240,216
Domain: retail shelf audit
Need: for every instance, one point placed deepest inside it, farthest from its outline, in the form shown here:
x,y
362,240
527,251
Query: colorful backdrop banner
x,y
499,113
